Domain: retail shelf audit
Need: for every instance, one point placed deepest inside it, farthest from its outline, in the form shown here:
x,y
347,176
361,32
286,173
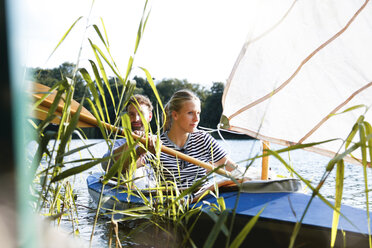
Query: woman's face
x,y
188,117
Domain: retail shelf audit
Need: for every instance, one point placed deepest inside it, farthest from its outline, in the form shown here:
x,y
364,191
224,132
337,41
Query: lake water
x,y
309,165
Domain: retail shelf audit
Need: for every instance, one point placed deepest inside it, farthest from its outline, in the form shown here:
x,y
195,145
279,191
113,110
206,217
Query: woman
x,y
181,134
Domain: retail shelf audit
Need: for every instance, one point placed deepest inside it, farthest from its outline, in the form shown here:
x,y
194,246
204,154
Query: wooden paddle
x,y
86,119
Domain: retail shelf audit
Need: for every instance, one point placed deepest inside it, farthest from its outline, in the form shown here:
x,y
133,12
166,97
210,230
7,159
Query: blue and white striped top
x,y
200,145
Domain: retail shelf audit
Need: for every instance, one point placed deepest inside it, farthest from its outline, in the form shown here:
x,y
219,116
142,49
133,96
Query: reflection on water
x,y
145,234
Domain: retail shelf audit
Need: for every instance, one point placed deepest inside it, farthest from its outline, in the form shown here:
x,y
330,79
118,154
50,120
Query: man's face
x,y
135,118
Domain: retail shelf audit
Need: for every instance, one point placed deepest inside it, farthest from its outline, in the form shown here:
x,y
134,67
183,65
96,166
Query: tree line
x,y
211,105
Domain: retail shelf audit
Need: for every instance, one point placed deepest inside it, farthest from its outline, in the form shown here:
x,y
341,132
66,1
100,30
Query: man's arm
x,y
118,151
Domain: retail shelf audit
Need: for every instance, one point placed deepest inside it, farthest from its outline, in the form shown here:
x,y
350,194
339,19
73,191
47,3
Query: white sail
x,y
303,62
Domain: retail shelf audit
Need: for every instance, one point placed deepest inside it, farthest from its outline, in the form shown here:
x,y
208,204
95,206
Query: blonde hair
x,y
175,104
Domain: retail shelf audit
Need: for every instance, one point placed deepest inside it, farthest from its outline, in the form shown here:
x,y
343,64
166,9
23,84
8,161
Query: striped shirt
x,y
200,145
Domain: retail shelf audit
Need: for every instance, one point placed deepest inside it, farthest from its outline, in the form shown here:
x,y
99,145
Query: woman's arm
x,y
234,169
229,163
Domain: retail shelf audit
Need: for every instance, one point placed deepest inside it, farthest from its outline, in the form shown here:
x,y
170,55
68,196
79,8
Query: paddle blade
x,y
42,93
41,113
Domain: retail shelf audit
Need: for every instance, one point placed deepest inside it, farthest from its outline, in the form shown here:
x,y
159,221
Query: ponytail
x,y
168,118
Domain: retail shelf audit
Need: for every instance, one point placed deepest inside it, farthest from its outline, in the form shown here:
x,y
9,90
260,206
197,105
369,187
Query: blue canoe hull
x,y
276,222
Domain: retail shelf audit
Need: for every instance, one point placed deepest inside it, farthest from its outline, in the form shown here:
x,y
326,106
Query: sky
x,y
194,40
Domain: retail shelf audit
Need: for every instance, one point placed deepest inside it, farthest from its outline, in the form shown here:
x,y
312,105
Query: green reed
x,y
360,137
165,203
55,190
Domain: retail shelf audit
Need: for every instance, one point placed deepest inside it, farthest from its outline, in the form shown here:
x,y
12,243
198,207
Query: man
x,y
143,104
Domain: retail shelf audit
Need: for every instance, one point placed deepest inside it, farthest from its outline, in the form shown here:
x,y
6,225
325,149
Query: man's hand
x,y
152,139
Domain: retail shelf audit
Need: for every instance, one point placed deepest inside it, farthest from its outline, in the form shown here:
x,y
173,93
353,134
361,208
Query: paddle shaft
x,y
86,119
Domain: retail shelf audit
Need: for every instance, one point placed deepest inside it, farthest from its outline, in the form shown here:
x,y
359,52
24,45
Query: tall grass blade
x,y
78,149
245,231
66,115
78,169
99,122
42,148
215,218
127,94
363,147
99,34
105,79
93,89
76,161
68,133
129,68
64,37
293,148
153,87
97,49
46,94
352,108
307,183
303,146
145,23
353,132
338,197
369,139
351,136
117,166
141,28
104,29
341,156
218,226
107,45
53,107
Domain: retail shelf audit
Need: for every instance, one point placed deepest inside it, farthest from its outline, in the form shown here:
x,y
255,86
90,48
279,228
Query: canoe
x,y
276,223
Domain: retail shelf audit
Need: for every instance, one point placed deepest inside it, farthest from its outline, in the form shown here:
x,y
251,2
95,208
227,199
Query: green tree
x,y
212,107
49,77
167,87
210,99
143,87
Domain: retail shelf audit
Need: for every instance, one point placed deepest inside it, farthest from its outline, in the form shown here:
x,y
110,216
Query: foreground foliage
x,y
106,98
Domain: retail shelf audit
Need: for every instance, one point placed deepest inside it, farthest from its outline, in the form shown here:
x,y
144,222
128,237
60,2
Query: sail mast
x,y
265,161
